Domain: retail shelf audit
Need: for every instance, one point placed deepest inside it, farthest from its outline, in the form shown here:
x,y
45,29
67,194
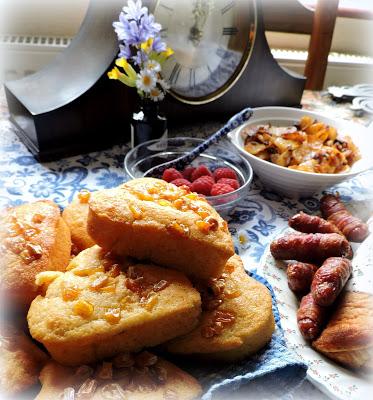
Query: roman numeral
x,y
209,69
228,7
167,7
192,78
164,33
230,31
175,74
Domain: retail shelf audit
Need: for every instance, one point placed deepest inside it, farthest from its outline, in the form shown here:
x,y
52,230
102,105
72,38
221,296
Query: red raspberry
x,y
202,170
220,188
187,173
224,173
170,174
182,182
231,182
203,185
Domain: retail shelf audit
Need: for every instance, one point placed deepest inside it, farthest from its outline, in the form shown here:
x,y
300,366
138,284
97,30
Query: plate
x,y
331,378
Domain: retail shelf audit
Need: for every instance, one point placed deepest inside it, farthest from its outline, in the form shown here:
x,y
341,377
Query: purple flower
x,y
134,10
150,26
140,57
135,26
125,51
158,45
129,31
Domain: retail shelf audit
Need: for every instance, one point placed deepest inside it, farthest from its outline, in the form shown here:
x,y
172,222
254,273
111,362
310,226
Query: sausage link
x,y
330,279
310,317
303,222
300,276
352,227
311,247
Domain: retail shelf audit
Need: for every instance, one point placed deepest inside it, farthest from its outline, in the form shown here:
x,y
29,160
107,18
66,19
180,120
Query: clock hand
x,y
201,11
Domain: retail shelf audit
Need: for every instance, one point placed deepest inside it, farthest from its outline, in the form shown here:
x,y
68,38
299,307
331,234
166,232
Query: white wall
x,y
42,17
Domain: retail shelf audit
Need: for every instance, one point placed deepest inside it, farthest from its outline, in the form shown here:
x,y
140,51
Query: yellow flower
x,y
168,52
162,57
116,74
123,63
147,46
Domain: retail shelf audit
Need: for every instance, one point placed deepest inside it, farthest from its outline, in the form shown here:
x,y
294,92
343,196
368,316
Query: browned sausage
x,y
352,227
311,318
310,247
303,222
330,279
300,276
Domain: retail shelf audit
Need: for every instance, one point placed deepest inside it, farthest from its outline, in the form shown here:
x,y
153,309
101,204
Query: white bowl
x,y
294,183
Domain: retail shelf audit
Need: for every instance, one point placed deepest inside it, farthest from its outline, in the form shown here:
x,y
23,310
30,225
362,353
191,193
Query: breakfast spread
x,y
21,360
102,305
98,310
201,180
33,238
347,338
300,276
151,219
352,227
228,303
339,323
75,215
310,247
309,146
142,376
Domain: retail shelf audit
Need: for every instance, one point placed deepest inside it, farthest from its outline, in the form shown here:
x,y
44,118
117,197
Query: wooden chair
x,y
292,17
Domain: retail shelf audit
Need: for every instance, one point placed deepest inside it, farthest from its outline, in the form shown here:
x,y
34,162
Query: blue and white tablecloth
x,y
273,373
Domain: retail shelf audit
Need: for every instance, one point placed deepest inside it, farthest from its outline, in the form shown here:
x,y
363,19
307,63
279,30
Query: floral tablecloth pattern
x,y
253,224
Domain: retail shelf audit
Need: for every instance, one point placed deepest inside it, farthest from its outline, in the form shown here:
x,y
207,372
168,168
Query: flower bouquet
x,y
142,52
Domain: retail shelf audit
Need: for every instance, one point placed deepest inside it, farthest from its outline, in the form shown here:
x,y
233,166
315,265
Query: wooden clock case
x,y
71,107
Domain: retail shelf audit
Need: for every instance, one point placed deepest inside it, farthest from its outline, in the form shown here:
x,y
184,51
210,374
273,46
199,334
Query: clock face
x,y
212,41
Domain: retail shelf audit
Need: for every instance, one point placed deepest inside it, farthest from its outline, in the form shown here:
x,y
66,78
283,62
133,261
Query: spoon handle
x,y
183,161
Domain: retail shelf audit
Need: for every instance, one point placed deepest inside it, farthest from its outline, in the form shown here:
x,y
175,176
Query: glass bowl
x,y
154,152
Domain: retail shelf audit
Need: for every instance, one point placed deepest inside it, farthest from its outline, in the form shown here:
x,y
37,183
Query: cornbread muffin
x,y
348,337
20,361
102,306
151,219
134,377
33,238
75,216
237,318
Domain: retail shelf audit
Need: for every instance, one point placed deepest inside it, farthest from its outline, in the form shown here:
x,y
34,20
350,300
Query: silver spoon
x,y
181,162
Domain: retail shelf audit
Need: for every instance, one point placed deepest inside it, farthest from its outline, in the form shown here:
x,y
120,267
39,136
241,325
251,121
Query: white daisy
x,y
153,65
146,80
156,94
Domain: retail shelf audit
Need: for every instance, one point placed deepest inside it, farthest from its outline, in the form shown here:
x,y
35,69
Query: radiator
x,y
23,54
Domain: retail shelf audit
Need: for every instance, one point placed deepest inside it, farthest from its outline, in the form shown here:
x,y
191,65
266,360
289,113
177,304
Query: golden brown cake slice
x,y
237,319
348,337
75,216
142,376
151,219
20,361
33,238
102,306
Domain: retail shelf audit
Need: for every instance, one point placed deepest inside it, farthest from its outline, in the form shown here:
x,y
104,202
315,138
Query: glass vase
x,y
147,123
